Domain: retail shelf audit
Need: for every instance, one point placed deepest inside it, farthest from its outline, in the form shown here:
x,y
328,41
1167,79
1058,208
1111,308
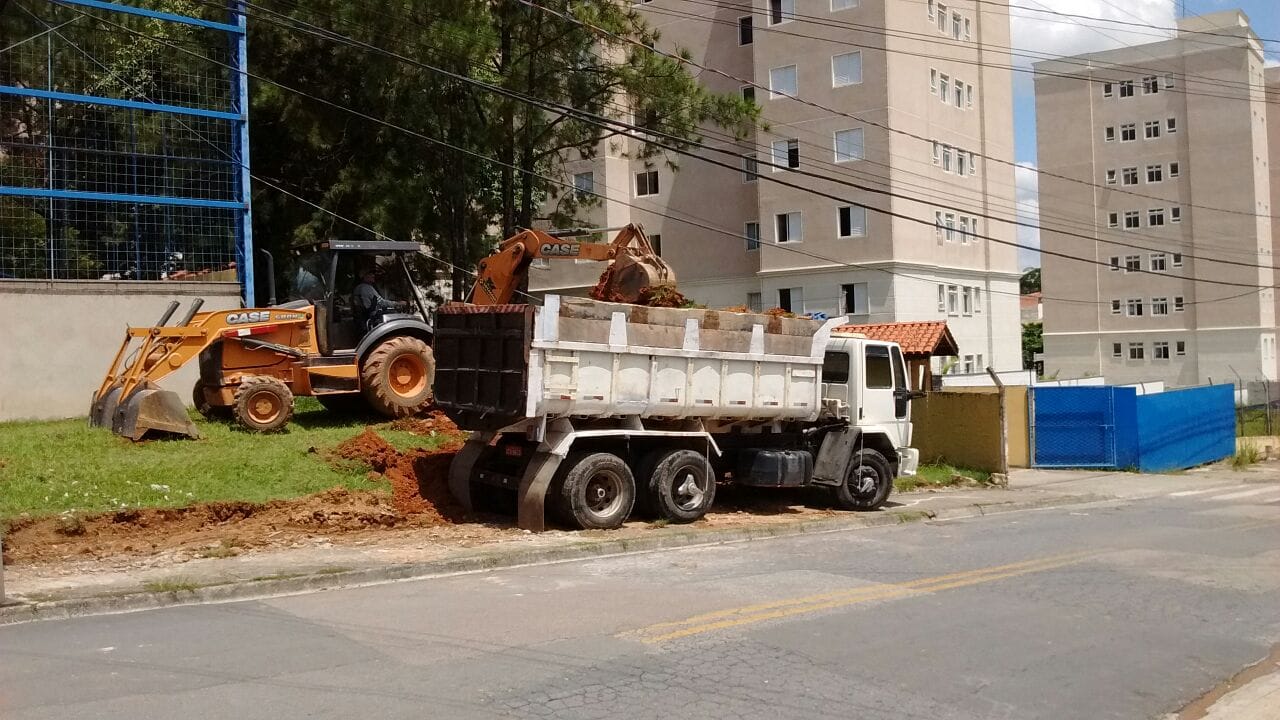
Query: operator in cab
x,y
367,303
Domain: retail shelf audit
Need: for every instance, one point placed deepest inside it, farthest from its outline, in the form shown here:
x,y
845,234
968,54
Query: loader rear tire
x,y
396,377
263,404
207,409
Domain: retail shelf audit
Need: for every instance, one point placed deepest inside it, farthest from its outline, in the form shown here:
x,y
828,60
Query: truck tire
x,y
682,486
202,405
867,484
396,376
597,491
263,404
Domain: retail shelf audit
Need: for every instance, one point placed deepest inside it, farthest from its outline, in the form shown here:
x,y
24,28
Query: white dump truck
x,y
592,410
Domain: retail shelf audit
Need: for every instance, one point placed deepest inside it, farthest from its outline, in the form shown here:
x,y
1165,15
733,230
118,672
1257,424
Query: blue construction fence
x,y
1116,428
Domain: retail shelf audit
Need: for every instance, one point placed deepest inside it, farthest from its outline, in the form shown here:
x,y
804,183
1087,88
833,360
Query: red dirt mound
x,y
419,478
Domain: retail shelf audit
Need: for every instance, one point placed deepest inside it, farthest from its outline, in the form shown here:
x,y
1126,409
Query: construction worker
x,y
367,303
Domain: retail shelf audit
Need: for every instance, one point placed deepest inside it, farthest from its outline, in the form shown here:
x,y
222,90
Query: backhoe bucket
x,y
150,409
631,275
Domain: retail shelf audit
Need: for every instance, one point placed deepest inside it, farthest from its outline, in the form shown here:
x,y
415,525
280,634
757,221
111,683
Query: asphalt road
x,y
1122,611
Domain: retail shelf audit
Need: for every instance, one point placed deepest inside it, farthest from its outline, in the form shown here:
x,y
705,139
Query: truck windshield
x,y
835,368
879,368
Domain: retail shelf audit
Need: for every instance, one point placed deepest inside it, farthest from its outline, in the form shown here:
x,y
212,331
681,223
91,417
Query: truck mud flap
x,y
838,447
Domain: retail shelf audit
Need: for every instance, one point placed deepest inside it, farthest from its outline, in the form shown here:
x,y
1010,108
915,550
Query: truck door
x,y
886,397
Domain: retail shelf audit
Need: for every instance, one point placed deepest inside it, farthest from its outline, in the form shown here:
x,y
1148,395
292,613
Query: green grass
x,y
65,466
1252,422
171,586
1245,456
941,476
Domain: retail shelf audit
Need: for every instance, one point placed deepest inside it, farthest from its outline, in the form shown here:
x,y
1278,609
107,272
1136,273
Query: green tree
x,y
1030,282
1032,343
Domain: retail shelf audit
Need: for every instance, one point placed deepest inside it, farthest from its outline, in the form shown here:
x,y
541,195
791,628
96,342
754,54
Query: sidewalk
x,y
1252,695
93,586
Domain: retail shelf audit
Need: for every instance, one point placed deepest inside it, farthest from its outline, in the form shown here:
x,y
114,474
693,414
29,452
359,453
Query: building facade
x,y
1155,178
905,100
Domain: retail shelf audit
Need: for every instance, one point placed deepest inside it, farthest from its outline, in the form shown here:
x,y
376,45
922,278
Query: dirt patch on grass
x,y
419,498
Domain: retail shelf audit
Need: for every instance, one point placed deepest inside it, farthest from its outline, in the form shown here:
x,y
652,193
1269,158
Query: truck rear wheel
x,y
396,377
682,486
597,491
867,484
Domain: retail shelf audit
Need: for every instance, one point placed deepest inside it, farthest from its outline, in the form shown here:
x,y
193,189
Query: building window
x,y
786,154
584,184
855,298
1108,89
1152,129
1155,218
937,153
943,17
962,163
1177,260
749,93
977,299
782,81
1128,132
966,298
1174,169
1132,263
932,9
1117,350
750,168
944,87
1130,176
752,235
1171,125
1157,262
1111,177
846,69
1136,351
1126,88
942,298
838,5
933,81
959,94
957,26
788,227
1168,81
781,11
1155,173
968,29
1150,85
947,156
1113,221
1115,261
1116,307
647,183
1180,347
853,221
1132,220
1110,133
1175,215
1133,307
746,31
1159,306
755,303
973,164
656,241
791,300
1160,350
1179,304
849,145
953,299
938,226
950,222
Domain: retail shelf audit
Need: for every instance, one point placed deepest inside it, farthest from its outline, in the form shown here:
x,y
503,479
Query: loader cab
x,y
868,380
326,274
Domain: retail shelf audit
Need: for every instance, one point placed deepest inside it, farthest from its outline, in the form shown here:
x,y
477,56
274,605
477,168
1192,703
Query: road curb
x,y
19,611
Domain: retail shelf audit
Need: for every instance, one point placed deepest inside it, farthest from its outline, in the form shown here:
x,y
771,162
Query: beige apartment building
x,y
914,97
1155,166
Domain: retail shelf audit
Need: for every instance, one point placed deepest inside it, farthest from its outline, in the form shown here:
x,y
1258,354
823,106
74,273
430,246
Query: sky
x,y
1048,34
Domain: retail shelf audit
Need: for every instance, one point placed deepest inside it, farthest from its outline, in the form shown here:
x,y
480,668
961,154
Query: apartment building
x,y
1154,168
905,99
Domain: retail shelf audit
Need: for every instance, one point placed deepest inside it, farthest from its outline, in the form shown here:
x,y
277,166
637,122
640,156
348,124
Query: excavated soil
x,y
419,498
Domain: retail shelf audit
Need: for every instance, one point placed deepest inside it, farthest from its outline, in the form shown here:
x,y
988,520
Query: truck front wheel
x,y
682,486
597,491
867,484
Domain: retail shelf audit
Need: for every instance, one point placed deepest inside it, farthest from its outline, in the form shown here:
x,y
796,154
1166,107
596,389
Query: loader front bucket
x,y
152,410
103,409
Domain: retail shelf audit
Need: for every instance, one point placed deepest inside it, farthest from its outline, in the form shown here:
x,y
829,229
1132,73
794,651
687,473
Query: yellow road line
x,y
752,614
831,595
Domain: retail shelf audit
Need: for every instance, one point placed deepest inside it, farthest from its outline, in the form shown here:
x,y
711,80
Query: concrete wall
x,y
962,428
59,337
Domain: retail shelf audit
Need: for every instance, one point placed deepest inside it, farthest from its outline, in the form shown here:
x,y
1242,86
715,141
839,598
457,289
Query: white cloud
x,y
1041,33
1027,177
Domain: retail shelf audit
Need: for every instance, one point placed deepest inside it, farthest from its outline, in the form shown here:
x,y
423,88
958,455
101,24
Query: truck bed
x,y
575,357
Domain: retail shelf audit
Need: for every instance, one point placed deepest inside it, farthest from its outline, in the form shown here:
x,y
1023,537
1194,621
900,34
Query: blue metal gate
x,y
1074,427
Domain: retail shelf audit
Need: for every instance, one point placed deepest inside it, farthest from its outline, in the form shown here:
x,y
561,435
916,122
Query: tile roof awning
x,y
918,339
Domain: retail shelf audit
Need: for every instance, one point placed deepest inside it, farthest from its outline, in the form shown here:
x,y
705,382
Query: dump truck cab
x,y
865,384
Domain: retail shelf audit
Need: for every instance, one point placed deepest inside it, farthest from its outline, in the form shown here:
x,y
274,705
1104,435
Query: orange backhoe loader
x,y
254,361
